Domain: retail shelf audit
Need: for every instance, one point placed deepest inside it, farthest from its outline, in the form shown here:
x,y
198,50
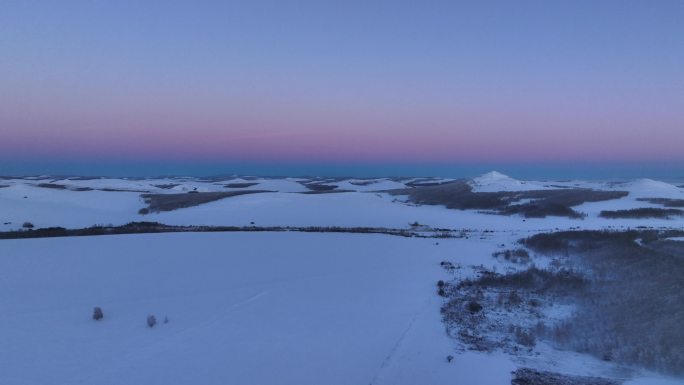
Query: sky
x,y
340,82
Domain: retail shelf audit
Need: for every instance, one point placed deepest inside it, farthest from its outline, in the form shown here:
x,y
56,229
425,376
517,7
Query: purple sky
x,y
366,81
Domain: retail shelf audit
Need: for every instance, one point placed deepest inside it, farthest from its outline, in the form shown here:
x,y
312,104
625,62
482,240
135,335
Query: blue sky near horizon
x,y
218,85
669,172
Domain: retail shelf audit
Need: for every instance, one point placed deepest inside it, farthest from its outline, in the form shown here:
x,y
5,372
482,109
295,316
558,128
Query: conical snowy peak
x,y
495,181
652,184
494,176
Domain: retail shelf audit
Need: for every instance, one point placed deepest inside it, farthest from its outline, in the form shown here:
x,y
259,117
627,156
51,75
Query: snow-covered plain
x,y
262,308
277,308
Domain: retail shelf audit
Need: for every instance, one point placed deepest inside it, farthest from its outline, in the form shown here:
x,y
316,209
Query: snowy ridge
x,y
648,188
495,181
364,204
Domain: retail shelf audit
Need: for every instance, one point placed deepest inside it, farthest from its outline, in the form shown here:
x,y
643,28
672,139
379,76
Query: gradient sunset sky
x,y
341,81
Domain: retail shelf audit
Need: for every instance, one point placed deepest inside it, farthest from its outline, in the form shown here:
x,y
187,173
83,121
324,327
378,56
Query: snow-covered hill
x,y
76,203
495,181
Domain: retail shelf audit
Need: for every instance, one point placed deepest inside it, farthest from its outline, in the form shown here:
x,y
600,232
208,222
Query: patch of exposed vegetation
x,y
533,280
642,212
541,203
83,177
363,182
636,307
166,186
240,185
56,186
319,187
667,202
526,376
505,311
426,183
52,186
326,192
109,189
156,227
516,256
169,202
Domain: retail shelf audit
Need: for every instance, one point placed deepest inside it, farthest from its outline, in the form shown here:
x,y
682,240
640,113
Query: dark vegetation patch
x,y
57,186
426,183
635,311
83,177
169,202
52,186
668,246
460,195
240,185
363,182
516,256
526,376
166,186
667,202
4,185
400,178
326,192
532,280
155,227
642,212
319,187
504,311
109,189
322,180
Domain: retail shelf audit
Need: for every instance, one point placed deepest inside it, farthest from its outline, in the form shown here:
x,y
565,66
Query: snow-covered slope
x,y
24,201
496,181
277,308
649,188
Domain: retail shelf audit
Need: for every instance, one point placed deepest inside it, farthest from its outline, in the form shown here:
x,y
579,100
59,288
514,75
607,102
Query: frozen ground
x,y
262,308
279,308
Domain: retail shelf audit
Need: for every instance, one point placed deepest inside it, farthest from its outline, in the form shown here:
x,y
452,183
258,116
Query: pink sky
x,y
274,82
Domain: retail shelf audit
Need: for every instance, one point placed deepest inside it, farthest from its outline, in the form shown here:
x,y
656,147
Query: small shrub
x,y
151,320
524,337
515,256
514,298
474,307
144,211
97,313
27,225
